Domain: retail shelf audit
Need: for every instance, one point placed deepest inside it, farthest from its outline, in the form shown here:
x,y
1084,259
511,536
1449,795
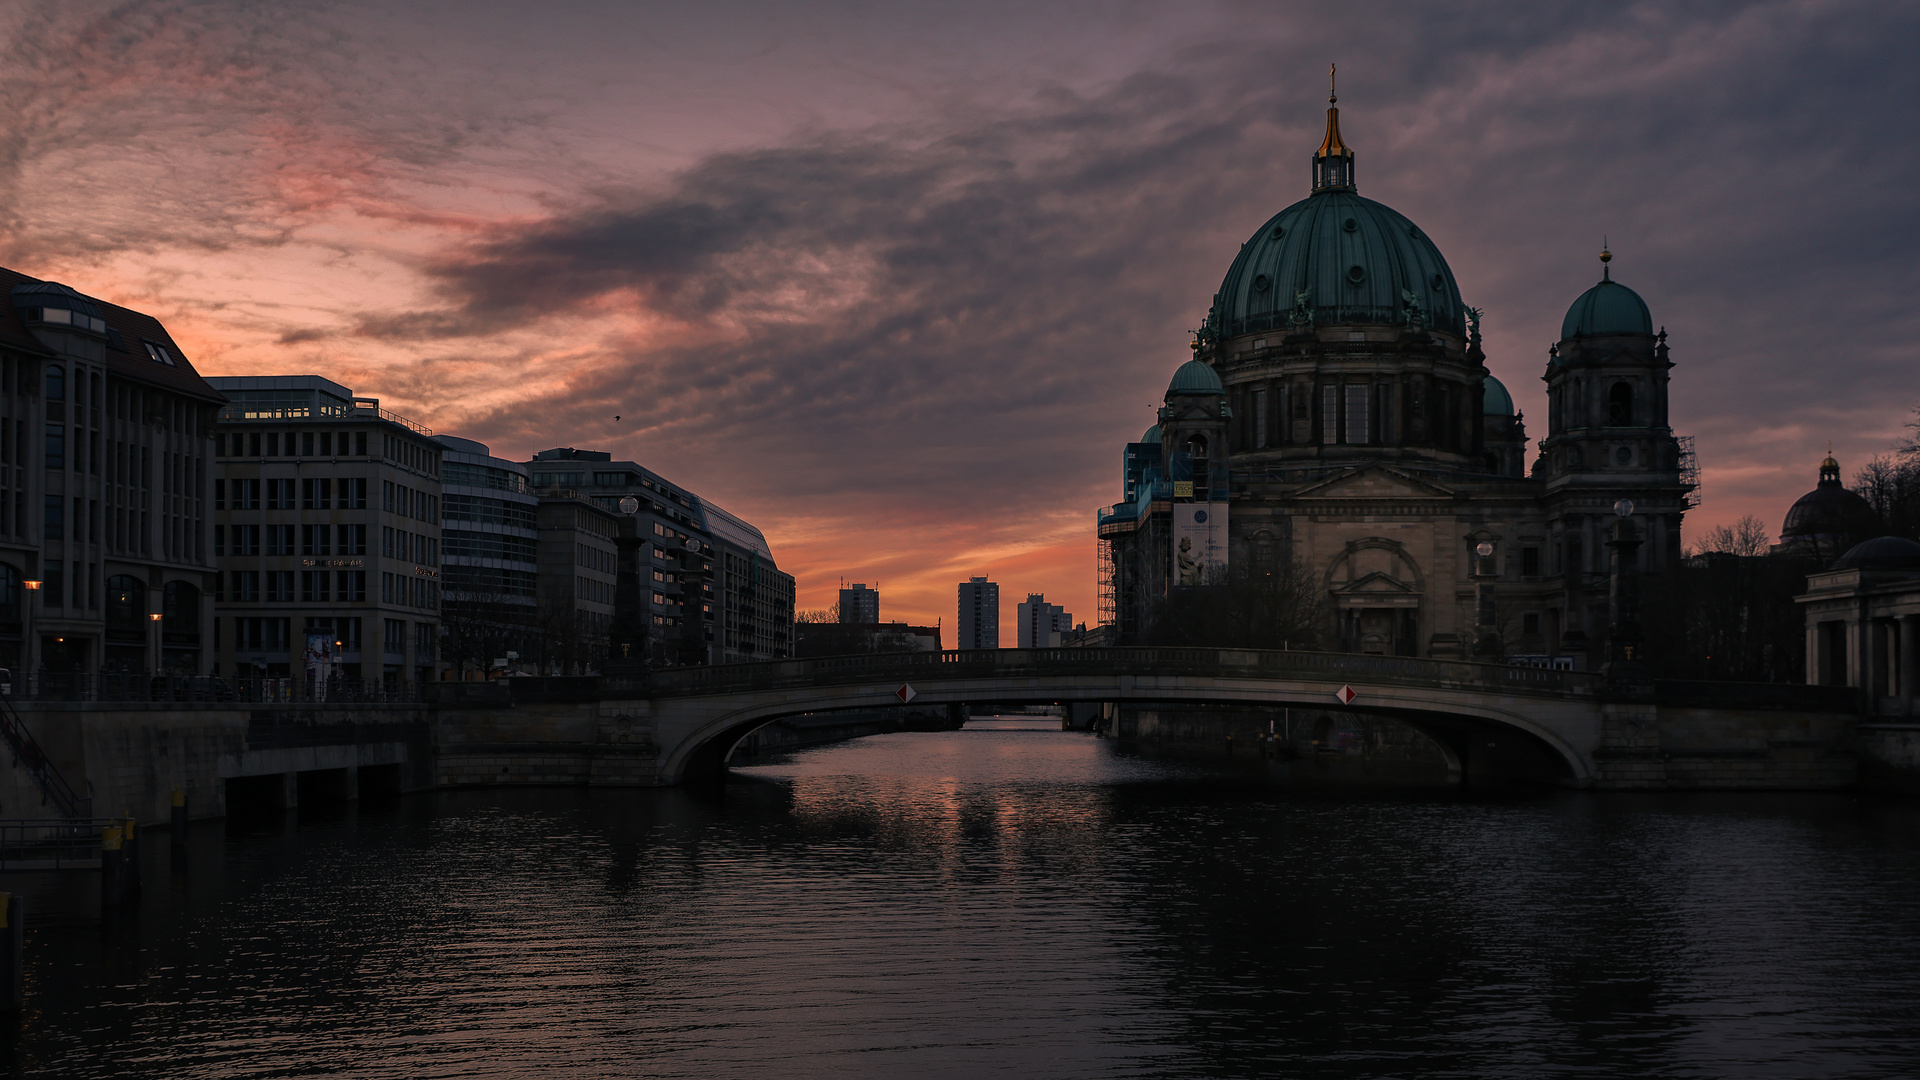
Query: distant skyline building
x,y
859,604
979,615
1041,623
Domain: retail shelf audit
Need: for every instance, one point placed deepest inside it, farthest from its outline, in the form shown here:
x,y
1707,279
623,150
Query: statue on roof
x,y
1301,317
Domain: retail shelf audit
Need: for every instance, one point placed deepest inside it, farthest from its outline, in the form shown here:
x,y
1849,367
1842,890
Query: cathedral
x,y
1338,418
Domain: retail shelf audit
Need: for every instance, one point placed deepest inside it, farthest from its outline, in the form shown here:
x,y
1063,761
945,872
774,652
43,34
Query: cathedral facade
x,y
1337,420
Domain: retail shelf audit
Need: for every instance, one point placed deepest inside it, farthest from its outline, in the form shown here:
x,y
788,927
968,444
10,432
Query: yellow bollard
x,y
110,838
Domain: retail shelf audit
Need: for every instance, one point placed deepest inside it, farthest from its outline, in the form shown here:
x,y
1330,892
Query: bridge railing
x,y
1029,663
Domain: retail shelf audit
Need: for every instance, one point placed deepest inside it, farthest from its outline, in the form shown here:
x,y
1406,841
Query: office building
x,y
716,594
1041,623
489,599
859,604
979,615
579,566
105,478
327,533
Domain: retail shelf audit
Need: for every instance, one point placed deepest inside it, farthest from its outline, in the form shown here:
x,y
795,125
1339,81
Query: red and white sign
x,y
1345,695
905,693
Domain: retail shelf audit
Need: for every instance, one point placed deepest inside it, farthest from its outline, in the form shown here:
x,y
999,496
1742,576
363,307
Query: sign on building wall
x,y
1199,543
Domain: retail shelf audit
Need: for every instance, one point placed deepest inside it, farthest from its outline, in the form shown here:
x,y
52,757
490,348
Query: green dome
x,y
1496,401
1195,377
1607,308
1353,257
1152,435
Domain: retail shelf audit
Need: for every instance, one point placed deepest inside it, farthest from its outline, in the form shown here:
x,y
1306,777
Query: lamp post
x,y
1486,645
154,618
31,651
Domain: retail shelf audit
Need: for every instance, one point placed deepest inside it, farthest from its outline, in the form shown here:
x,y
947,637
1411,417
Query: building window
x,y
55,518
394,636
1330,414
280,586
279,539
1530,562
246,586
1620,405
1259,419
314,586
246,540
313,539
1357,432
56,446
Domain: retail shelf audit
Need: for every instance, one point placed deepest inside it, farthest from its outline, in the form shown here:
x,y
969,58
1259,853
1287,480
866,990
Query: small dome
x,y
1496,401
1607,308
1152,435
1884,553
1830,511
1196,377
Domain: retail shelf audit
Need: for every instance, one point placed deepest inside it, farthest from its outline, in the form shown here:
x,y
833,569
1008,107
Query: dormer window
x,y
64,317
159,353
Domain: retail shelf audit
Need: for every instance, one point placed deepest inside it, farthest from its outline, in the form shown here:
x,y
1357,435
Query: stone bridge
x,y
1562,726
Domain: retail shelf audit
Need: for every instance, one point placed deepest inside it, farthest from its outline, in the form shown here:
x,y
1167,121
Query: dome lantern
x,y
1609,308
1333,162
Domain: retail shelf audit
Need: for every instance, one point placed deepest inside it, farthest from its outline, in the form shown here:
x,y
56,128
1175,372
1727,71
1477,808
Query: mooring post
x,y
130,860
177,825
13,943
110,864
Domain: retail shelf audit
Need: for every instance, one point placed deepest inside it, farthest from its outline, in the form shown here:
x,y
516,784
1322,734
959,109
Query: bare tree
x,y
1281,609
1746,537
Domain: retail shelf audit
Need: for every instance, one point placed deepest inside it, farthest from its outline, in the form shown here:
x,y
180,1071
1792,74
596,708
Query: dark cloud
x,y
967,320
904,340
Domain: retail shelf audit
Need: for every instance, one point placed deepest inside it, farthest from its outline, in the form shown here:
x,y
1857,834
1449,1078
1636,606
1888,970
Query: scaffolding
x,y
1103,583
1689,472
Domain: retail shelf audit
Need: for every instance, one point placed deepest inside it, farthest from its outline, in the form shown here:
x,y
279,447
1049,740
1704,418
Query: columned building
x,y
105,477
1337,421
327,531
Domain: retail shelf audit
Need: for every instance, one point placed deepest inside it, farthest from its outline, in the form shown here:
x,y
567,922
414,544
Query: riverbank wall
x,y
1676,741
129,759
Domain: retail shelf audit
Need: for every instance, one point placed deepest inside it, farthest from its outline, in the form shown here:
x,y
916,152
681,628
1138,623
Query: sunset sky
x,y
896,282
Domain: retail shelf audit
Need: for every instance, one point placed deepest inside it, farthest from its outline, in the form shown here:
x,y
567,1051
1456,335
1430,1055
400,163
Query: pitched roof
x,y
132,327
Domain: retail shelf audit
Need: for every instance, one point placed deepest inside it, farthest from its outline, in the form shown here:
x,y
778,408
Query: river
x,y
1005,900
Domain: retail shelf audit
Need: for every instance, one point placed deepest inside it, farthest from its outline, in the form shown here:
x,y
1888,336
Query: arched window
x,y
1620,405
126,607
9,593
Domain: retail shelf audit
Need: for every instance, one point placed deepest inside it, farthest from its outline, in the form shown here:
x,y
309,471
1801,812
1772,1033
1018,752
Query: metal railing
x,y
1028,663
47,686
53,843
28,755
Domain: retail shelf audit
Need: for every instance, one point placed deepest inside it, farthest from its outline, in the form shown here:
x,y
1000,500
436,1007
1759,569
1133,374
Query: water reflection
x,y
1005,899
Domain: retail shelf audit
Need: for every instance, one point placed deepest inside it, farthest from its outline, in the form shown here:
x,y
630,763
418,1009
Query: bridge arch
x,y
1552,711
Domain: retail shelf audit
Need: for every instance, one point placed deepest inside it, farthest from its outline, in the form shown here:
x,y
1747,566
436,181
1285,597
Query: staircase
x,y
28,755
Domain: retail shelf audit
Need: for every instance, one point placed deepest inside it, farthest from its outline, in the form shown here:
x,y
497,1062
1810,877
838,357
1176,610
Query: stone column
x,y
1626,665
1907,624
628,631
1816,652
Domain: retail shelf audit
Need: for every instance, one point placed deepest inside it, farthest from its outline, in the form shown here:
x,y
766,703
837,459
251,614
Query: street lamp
x,y
154,618
31,650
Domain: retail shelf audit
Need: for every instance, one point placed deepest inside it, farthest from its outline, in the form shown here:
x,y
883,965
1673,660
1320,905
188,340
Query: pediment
x,y
1376,582
1374,482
